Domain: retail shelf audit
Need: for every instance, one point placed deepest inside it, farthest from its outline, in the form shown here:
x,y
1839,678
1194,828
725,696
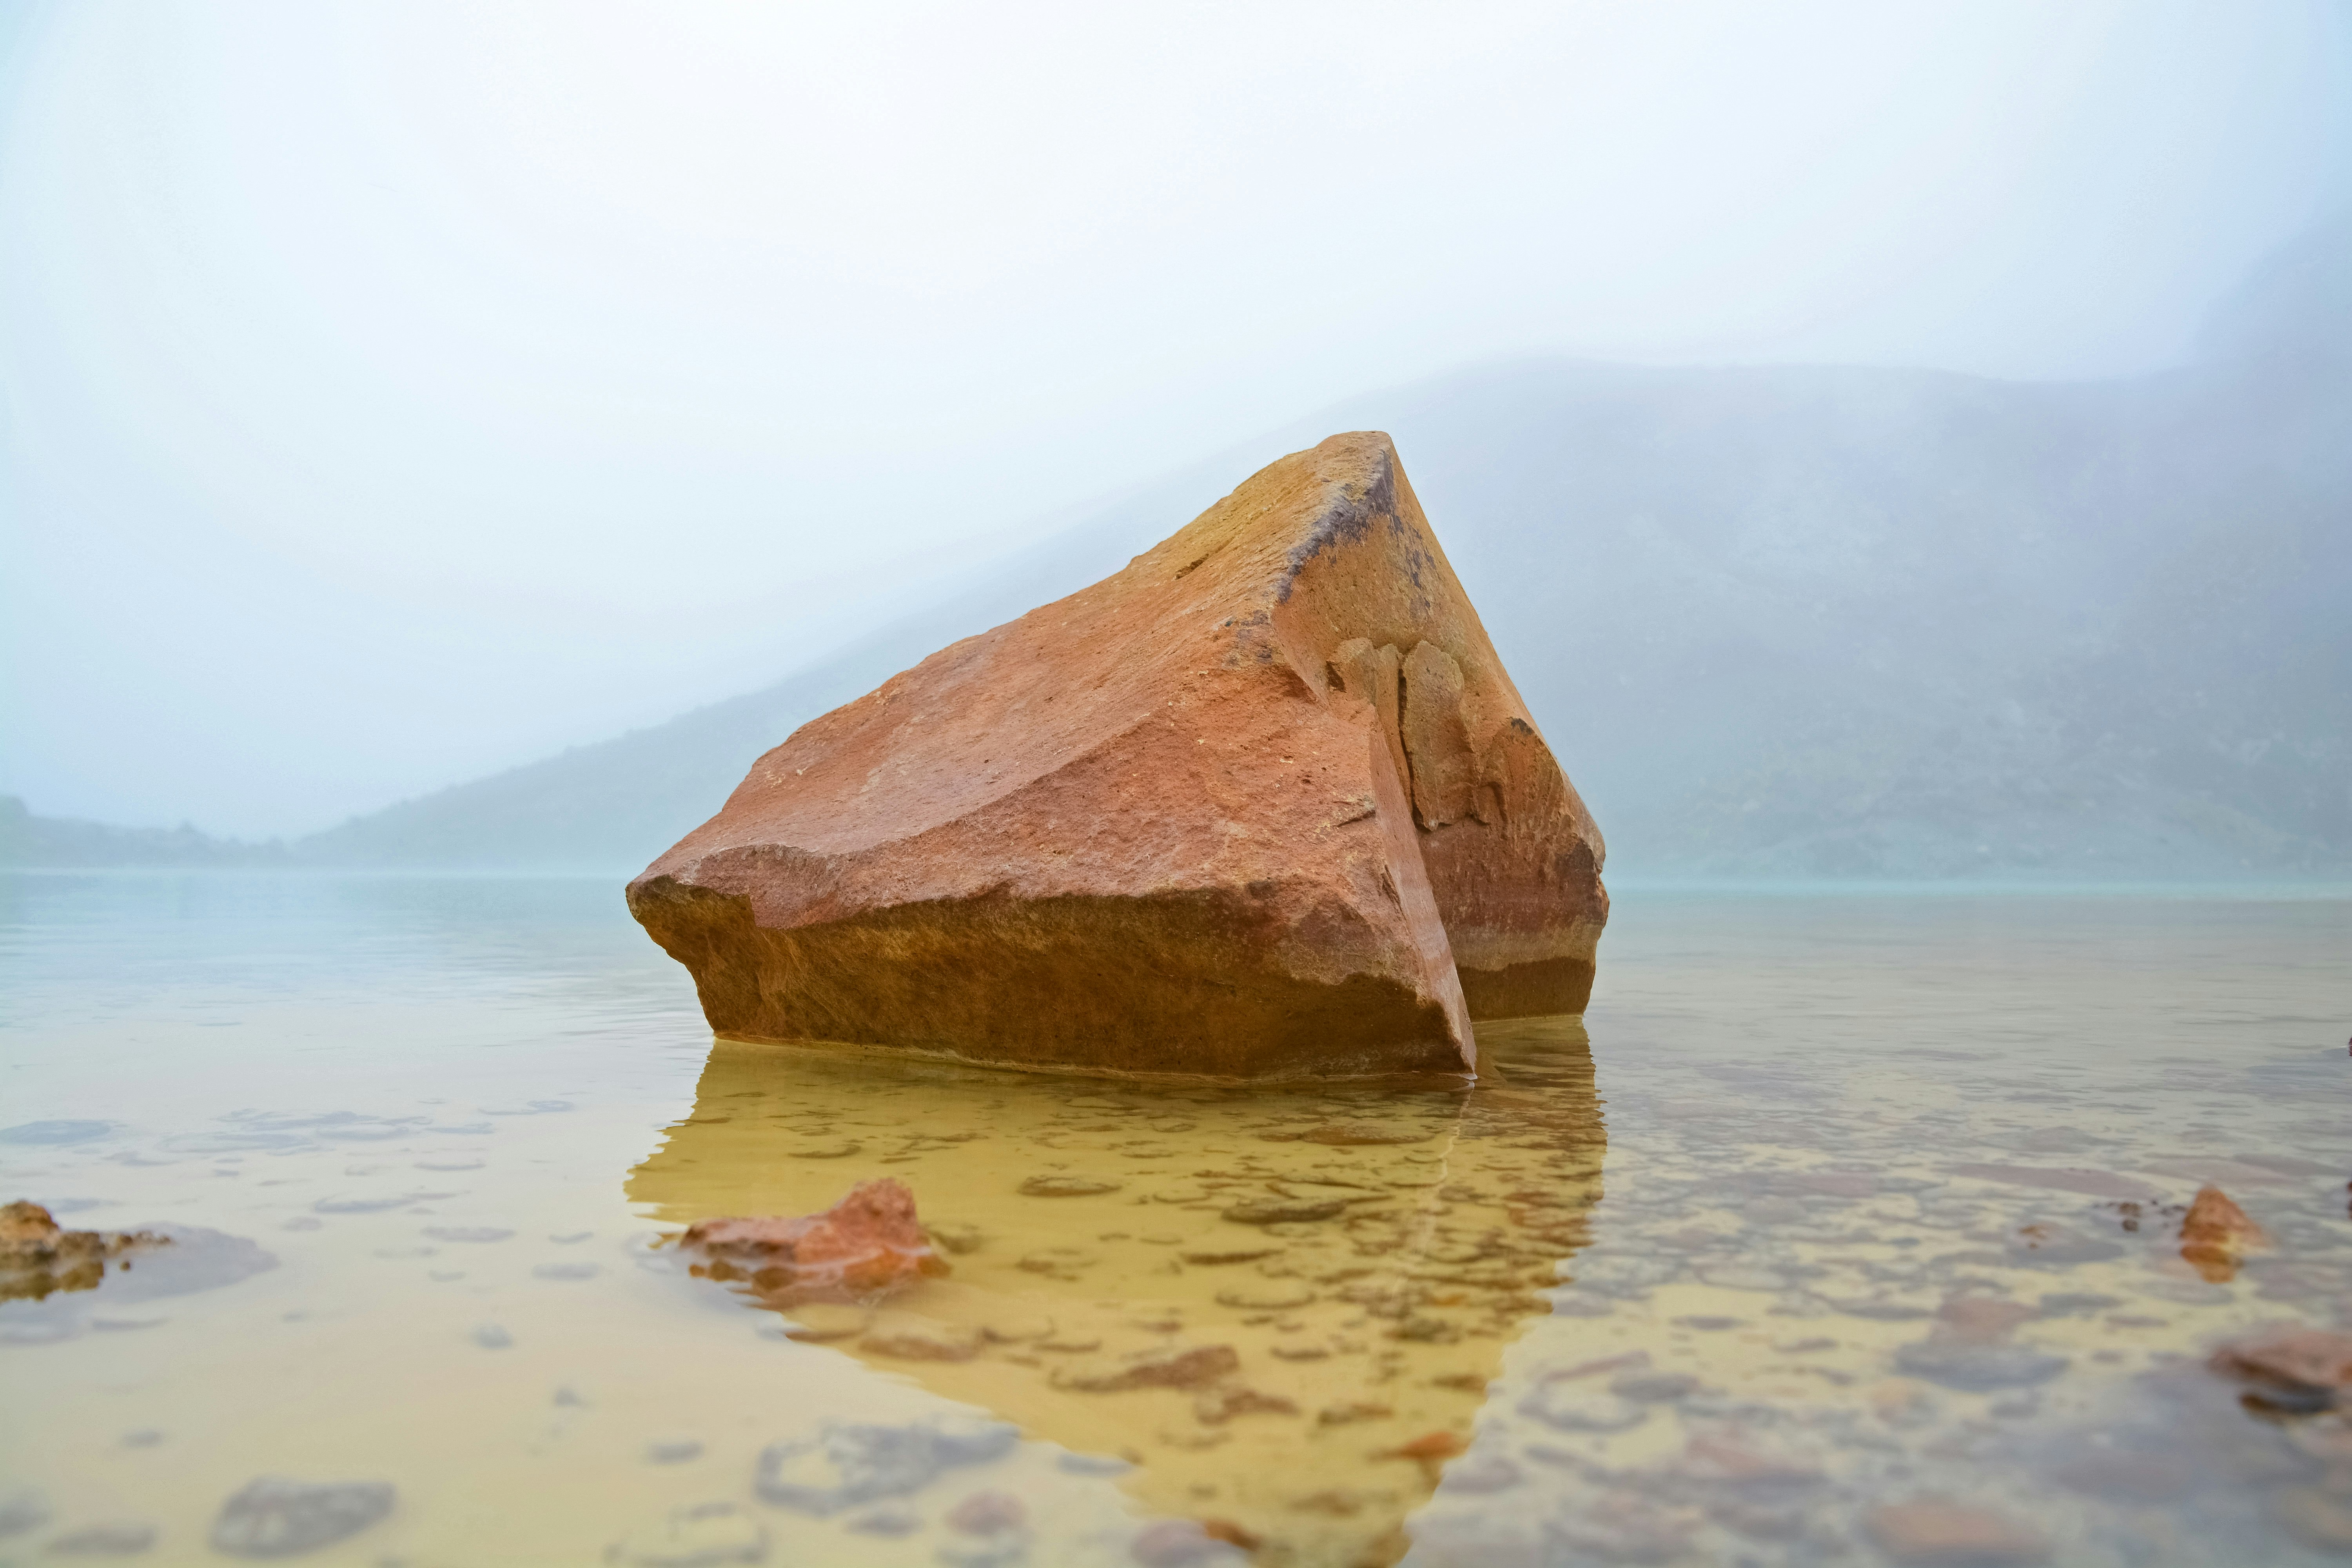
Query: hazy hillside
x,y
1778,621
62,841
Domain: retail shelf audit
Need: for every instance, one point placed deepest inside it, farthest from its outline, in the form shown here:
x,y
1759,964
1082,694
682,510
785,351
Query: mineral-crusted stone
x,y
1263,803
2215,1233
40,1256
867,1246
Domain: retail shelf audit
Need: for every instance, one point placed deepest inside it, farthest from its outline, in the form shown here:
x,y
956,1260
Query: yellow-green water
x,y
460,1116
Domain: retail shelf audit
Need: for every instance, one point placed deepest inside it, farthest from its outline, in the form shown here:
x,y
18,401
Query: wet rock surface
x,y
1263,804
2304,1367
56,1284
867,1247
39,1258
2216,1235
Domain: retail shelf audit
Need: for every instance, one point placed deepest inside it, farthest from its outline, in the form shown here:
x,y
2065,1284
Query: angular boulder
x,y
1263,804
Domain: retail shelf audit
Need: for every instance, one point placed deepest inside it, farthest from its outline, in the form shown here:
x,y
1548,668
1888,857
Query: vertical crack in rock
x,y
1204,817
1437,738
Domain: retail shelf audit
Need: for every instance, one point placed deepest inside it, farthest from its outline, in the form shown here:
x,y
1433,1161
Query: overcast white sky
x,y
393,393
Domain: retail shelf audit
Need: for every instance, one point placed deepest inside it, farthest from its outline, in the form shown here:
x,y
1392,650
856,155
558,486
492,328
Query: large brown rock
x,y
1263,803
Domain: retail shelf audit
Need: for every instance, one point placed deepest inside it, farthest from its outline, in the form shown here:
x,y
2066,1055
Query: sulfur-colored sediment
x,y
1284,1308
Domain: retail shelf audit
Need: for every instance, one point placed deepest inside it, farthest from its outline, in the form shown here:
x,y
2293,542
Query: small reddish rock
x,y
38,1255
2216,1233
2310,1365
1231,1535
867,1245
1432,1446
1932,1533
1429,1450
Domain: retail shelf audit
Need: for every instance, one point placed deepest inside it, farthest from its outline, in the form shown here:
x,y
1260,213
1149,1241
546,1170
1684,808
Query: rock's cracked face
x,y
1263,804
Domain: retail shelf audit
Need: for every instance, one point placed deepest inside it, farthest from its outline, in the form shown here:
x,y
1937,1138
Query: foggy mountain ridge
x,y
1778,621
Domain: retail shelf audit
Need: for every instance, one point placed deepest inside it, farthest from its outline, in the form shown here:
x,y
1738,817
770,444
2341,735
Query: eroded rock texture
x,y
863,1249
1263,803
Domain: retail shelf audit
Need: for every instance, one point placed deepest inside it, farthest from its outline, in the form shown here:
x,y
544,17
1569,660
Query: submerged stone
x,y
1976,1368
2301,1366
54,1281
847,1465
275,1517
850,1463
867,1245
119,1539
1174,1366
1265,803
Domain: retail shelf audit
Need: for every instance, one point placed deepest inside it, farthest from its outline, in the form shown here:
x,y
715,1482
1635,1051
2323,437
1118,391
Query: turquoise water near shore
x,y
1834,1204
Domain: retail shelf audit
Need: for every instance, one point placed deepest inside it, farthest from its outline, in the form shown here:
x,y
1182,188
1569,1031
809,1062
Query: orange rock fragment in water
x,y
2216,1233
38,1255
25,1226
867,1245
1430,1446
1231,1535
1429,1450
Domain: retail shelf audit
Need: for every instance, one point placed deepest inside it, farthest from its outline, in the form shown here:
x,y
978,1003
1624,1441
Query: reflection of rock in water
x,y
1285,1305
51,1278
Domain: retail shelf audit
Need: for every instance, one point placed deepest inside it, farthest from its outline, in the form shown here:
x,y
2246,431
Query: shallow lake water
x,y
1843,1229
